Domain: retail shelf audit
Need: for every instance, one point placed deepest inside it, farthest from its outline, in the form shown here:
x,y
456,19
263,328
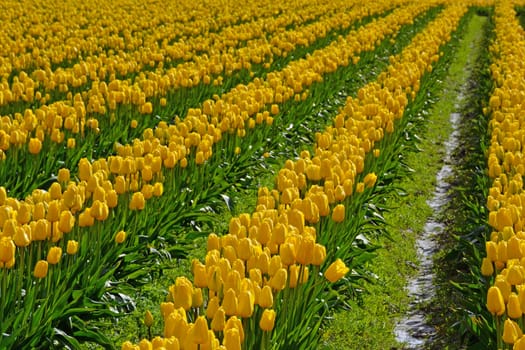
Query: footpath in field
x,y
414,330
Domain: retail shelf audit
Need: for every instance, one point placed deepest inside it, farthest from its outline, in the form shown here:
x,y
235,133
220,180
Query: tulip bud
x,y
513,306
53,255
487,268
200,331
182,293
41,268
197,299
120,237
213,306
22,236
511,331
495,303
319,254
63,175
66,221
515,276
267,321
138,202
232,340
72,247
229,303
199,273
287,253
338,215
336,271
219,320
35,146
148,319
234,322
305,252
213,242
519,344
266,297
246,304
278,281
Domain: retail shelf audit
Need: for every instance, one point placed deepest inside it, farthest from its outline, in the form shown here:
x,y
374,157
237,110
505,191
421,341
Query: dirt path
x,y
413,330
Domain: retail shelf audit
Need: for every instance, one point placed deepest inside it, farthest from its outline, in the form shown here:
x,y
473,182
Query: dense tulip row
x,y
504,262
137,169
97,87
271,251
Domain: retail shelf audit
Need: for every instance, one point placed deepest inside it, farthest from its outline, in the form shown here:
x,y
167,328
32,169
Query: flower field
x,y
249,146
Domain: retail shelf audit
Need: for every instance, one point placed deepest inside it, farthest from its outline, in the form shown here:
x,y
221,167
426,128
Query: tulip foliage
x,y
127,130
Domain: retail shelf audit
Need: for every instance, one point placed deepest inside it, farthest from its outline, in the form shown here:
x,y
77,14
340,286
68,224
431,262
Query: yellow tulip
x,y
338,214
54,255
197,299
63,175
319,254
219,320
278,281
267,321
336,271
138,202
513,306
495,303
22,236
120,237
199,273
287,253
213,306
181,293
35,146
66,221
266,297
232,340
511,331
148,319
72,247
246,304
487,268
230,303
41,268
200,331
234,322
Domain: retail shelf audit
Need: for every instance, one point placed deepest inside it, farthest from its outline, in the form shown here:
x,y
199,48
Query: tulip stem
x,y
3,298
498,333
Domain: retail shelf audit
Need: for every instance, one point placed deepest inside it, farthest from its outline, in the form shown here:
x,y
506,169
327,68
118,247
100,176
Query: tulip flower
x,y
219,320
266,297
72,247
120,237
54,255
200,331
487,268
267,321
495,303
41,268
230,303
511,331
336,271
338,214
513,306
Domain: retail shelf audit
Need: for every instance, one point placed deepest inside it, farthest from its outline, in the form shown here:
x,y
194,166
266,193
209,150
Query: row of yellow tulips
x,y
505,249
273,249
215,48
137,169
80,112
37,36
